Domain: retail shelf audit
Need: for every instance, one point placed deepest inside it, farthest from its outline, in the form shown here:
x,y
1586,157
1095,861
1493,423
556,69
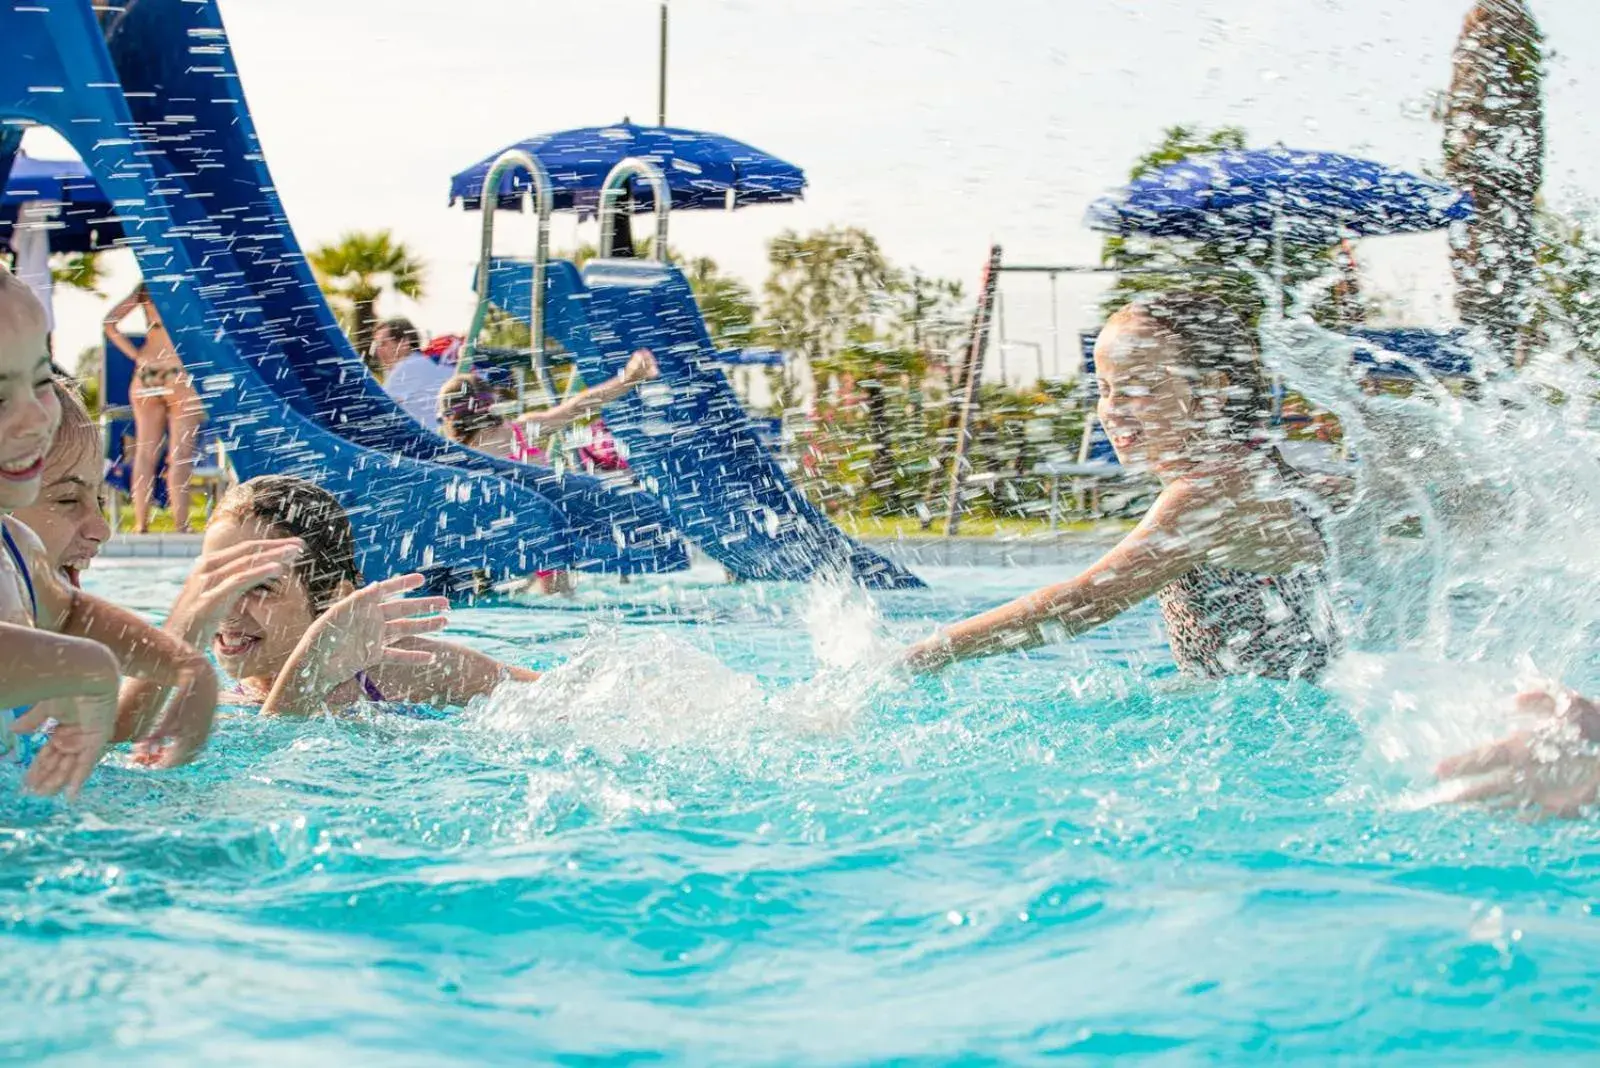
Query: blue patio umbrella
x,y
703,170
1312,198
86,221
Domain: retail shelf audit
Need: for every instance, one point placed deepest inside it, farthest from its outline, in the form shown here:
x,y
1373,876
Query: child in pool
x,y
467,414
63,652
1228,546
313,638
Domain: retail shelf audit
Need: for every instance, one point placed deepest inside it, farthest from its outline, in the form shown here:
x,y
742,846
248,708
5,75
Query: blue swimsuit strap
x,y
22,568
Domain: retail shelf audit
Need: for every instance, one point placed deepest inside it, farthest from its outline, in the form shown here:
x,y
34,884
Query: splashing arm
x,y
1172,539
454,675
641,368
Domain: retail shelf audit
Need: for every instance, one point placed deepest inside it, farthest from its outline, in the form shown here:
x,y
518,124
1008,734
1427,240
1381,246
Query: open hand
x,y
360,631
82,732
1550,767
218,580
185,725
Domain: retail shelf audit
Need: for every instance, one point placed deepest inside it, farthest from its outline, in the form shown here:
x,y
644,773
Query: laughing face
x,y
1152,411
261,633
29,409
69,515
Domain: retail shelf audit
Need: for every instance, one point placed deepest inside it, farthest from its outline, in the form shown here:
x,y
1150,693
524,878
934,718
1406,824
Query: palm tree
x,y
1494,147
354,271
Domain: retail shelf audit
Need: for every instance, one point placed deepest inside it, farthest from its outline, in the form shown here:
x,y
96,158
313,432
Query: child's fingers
x,y
415,606
390,587
391,655
403,628
1494,787
228,585
1534,703
224,558
1484,759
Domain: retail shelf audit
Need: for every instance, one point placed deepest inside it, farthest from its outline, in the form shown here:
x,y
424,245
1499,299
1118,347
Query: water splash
x,y
620,695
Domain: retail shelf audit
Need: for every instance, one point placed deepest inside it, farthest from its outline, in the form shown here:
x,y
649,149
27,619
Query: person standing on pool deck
x,y
164,402
411,378
1228,547
316,638
60,648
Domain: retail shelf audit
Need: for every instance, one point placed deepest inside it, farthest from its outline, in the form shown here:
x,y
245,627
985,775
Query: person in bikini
x,y
164,402
1230,547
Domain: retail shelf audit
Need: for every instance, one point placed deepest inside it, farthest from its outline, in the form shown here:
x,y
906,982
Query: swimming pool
x,y
720,836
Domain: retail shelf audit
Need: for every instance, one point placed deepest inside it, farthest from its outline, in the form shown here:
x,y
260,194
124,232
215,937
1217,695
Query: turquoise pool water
x,y
719,835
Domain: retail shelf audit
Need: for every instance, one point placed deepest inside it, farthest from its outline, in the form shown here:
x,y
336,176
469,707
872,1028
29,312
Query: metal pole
x,y
1055,327
540,189
661,90
616,184
1000,328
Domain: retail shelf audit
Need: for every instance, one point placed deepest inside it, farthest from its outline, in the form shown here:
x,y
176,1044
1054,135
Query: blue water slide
x,y
688,437
175,63
408,515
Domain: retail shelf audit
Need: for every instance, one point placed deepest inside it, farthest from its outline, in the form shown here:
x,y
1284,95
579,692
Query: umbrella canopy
x,y
701,169
66,180
86,221
1314,198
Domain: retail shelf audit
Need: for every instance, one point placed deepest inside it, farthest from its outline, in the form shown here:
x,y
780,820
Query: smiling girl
x,y
312,637
63,652
1229,546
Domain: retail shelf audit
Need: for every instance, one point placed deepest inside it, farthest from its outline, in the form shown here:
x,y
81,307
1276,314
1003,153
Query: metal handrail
x,y
616,184
542,200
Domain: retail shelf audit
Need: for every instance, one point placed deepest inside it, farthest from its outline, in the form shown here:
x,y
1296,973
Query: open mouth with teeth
x,y
25,469
234,644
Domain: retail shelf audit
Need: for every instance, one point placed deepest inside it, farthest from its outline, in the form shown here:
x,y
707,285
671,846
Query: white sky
x,y
939,125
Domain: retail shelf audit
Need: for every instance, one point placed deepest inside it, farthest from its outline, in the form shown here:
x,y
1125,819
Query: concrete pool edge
x,y
911,551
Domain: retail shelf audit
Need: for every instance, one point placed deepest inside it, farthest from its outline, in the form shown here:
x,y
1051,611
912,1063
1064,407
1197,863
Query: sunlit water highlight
x,y
718,832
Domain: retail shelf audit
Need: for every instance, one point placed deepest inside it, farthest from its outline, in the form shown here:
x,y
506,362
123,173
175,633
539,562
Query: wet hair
x,y
400,329
1213,339
77,431
295,508
466,408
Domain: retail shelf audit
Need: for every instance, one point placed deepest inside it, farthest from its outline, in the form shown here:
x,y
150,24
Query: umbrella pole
x,y
661,84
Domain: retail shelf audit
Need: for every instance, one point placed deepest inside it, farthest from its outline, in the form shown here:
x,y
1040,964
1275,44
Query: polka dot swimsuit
x,y
1221,622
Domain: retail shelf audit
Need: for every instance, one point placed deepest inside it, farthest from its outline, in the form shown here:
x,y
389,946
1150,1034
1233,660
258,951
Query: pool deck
x,y
916,551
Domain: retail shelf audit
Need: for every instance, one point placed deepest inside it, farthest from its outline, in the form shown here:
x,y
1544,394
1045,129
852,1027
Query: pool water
x,y
719,833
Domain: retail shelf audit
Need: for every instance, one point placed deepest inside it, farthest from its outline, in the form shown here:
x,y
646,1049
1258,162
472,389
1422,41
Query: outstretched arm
x,y
641,368
113,325
1153,554
455,674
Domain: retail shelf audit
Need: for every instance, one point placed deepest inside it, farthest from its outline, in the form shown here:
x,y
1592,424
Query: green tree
x,y
829,304
355,271
823,287
78,270
1566,294
1494,137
